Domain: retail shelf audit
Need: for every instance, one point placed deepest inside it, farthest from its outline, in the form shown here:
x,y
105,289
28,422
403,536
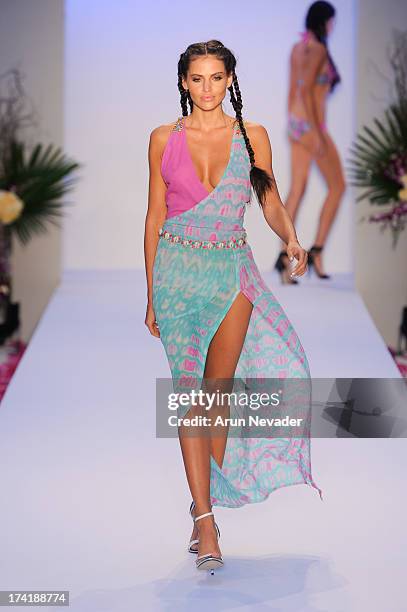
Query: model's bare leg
x,y
331,169
221,361
223,355
301,160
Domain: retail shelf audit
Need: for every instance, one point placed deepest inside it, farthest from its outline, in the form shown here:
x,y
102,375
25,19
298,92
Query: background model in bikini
x,y
313,75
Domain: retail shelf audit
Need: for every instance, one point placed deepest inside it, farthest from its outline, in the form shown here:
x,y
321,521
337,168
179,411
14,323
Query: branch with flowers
x,y
33,179
379,155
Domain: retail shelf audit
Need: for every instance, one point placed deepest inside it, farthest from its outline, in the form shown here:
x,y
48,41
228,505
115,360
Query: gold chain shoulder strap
x,y
178,125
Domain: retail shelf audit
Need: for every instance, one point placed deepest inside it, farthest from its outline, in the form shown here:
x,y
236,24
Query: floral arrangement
x,y
10,207
33,183
33,180
379,161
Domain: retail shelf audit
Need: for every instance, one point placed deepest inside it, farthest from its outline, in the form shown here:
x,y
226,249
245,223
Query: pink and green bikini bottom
x,y
298,126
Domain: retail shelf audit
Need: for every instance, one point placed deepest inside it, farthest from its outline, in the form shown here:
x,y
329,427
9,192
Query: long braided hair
x,y
317,15
260,180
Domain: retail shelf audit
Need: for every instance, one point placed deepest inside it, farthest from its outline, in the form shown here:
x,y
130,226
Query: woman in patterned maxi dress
x,y
221,326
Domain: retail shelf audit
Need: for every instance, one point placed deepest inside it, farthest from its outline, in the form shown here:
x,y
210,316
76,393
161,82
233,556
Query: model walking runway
x,y
203,262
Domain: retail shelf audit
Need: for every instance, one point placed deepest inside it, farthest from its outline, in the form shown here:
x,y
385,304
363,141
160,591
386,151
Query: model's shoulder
x,y
313,47
255,129
258,136
316,50
161,133
251,124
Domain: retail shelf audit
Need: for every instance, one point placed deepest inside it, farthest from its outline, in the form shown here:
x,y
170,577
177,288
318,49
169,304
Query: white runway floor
x,y
93,503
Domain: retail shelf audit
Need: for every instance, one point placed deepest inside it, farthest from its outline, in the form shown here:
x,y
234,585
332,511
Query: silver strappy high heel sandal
x,y
192,542
208,561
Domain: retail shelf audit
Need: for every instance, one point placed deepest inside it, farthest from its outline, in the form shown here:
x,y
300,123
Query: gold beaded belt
x,y
233,243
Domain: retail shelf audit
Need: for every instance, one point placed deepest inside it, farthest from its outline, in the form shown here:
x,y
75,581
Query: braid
x,y
184,96
260,180
236,100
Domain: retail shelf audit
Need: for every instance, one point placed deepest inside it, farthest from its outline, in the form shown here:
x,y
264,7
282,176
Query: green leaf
x,y
42,179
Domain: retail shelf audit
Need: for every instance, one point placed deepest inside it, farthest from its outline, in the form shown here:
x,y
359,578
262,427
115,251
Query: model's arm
x,y
274,210
156,211
316,58
292,85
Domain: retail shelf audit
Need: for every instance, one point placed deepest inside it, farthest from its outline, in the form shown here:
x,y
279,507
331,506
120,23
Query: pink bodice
x,y
183,188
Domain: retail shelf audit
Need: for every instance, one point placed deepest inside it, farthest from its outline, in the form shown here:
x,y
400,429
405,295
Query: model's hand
x,y
294,250
151,322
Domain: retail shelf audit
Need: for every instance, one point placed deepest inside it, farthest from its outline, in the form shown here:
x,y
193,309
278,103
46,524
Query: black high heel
x,y
402,333
284,270
311,261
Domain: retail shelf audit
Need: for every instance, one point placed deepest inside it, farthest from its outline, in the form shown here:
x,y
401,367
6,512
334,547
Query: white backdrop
x,y
121,82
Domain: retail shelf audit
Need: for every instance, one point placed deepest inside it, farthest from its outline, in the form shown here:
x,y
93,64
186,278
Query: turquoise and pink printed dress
x,y
203,261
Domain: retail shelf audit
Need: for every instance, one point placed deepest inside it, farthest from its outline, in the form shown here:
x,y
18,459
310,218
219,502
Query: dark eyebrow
x,y
196,74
